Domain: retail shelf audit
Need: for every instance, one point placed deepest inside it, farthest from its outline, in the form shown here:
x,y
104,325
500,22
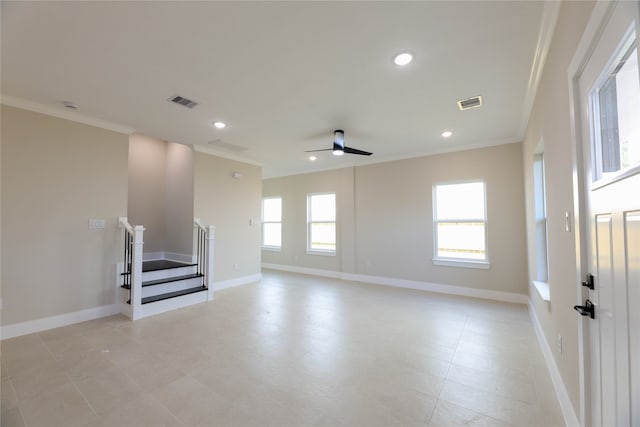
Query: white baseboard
x,y
244,280
151,256
45,323
570,418
178,257
408,284
173,256
439,288
303,270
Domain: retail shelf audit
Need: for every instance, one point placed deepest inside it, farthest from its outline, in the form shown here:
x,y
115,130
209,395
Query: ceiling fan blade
x,y
313,151
350,150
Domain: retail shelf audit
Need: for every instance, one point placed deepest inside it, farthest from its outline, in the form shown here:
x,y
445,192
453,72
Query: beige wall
x,y
179,199
294,190
147,192
394,218
56,175
229,204
385,218
549,124
161,194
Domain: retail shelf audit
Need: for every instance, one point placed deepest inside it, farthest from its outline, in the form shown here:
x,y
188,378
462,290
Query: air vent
x,y
181,100
218,143
466,104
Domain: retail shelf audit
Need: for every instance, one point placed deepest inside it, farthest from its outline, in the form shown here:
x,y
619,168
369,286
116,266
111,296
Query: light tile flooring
x,y
292,350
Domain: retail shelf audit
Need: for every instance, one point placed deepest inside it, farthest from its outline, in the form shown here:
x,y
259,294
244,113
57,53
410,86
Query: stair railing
x,y
132,267
203,244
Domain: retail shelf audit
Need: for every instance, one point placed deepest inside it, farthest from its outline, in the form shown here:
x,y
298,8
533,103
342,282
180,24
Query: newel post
x,y
211,238
136,271
196,231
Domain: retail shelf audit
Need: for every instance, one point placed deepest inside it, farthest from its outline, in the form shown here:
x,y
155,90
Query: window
x,y
460,224
272,223
321,223
616,106
542,268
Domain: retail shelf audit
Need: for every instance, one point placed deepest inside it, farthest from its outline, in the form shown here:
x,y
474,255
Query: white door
x,y
609,107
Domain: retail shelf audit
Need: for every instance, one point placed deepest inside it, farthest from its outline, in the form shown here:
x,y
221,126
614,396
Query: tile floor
x,y
292,350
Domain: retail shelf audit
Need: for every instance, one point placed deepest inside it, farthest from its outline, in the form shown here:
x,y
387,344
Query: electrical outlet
x,y
236,266
559,342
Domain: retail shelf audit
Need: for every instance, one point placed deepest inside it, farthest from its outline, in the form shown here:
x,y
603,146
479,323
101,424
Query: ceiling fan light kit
x,y
338,142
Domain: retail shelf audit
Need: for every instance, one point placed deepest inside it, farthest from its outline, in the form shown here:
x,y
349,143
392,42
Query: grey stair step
x,y
171,279
175,294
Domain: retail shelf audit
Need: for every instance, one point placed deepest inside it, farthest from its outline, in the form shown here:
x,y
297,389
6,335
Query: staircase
x,y
157,286
163,279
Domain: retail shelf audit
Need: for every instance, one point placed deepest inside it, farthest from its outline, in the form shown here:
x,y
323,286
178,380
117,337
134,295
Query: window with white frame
x,y
542,268
321,223
460,224
615,104
272,223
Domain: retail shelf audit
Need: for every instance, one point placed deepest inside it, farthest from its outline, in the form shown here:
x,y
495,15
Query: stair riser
x,y
171,304
166,274
163,288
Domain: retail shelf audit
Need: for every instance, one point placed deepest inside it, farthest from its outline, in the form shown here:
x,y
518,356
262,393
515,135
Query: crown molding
x,y
59,112
217,153
550,13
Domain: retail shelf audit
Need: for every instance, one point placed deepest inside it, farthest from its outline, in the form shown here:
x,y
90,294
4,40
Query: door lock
x,y
588,309
590,282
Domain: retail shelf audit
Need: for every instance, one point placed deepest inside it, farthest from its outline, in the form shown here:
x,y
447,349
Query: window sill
x,y
543,290
318,252
271,249
483,265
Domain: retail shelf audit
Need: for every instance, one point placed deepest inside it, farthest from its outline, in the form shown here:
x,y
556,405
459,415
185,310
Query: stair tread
x,y
174,294
171,279
163,264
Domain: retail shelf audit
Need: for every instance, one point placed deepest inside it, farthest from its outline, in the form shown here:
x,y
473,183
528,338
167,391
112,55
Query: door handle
x,y
588,309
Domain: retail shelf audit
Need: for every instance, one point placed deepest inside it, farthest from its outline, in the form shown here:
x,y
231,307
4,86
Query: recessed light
x,y
403,59
447,134
219,125
313,158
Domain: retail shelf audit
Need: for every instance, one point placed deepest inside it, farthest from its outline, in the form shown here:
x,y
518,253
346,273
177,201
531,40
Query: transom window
x,y
272,223
321,223
615,103
459,224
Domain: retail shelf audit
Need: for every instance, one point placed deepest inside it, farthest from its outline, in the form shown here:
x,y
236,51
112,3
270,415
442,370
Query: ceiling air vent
x,y
465,104
181,100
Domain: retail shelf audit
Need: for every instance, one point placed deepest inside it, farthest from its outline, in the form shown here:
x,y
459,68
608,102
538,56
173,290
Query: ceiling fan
x,y
339,148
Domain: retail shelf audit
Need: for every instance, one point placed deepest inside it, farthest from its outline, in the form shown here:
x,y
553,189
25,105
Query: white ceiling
x,y
284,75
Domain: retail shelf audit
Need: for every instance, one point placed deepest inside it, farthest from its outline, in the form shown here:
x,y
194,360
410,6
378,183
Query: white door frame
x,y
592,33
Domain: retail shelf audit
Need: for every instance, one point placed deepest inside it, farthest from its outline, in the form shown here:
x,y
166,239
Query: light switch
x,y
95,224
